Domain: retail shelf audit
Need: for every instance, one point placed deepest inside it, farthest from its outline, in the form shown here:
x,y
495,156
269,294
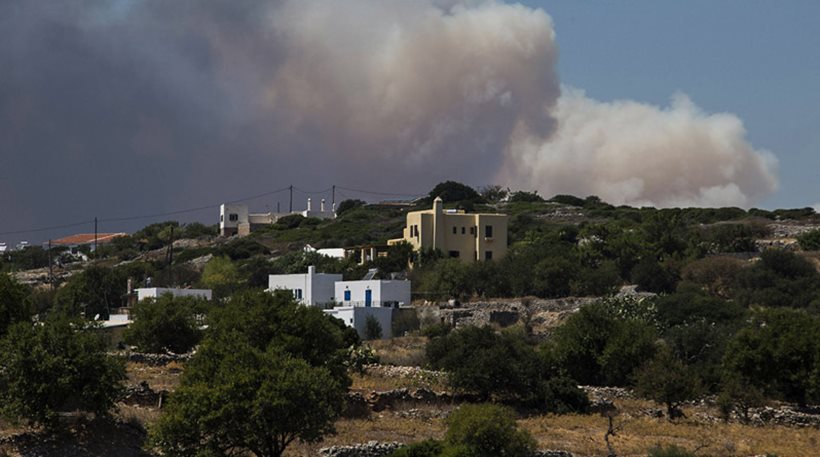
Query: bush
x,y
809,241
487,431
58,366
166,324
429,448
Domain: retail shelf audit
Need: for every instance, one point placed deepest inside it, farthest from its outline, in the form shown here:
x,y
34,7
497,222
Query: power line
x,y
144,216
391,194
45,229
313,192
202,208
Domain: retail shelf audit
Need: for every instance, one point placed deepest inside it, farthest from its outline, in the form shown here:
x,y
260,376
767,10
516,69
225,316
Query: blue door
x,y
347,295
368,297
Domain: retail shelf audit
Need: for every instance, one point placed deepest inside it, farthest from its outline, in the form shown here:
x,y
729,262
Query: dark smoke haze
x,y
120,107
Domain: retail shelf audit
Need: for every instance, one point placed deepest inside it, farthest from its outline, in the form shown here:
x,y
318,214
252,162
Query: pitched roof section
x,y
87,238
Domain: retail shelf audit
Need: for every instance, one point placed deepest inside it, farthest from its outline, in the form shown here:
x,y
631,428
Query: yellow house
x,y
456,234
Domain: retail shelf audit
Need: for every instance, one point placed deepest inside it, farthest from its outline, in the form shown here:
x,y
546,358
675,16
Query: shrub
x,y
429,448
55,367
166,323
809,241
348,204
487,431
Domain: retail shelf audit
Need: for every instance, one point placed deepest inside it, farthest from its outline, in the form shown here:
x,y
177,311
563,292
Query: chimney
x,y
311,270
308,208
322,206
129,286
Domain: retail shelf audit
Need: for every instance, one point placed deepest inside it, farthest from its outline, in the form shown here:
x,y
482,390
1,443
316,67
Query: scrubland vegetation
x,y
726,320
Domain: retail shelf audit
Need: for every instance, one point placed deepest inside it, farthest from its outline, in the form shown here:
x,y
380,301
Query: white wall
x,y
317,288
156,292
226,209
356,317
383,291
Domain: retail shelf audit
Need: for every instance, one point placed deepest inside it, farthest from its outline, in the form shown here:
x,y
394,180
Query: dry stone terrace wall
x,y
377,449
541,315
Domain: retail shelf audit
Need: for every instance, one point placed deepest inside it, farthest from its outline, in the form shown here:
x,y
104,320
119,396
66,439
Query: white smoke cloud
x,y
633,153
470,88
424,84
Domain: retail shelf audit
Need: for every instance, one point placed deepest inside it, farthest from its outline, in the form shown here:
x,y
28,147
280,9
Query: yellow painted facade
x,y
469,237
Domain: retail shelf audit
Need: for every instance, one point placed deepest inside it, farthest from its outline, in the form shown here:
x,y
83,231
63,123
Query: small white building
x,y
373,293
335,253
156,292
235,219
356,317
312,289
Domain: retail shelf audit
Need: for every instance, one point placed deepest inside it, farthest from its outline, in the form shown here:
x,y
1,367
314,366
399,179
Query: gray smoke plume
x,y
118,107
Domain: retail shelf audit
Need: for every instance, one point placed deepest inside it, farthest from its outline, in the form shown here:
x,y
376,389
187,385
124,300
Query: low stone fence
x,y
377,449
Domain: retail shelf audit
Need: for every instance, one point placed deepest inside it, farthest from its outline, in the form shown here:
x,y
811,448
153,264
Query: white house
x,y
235,219
156,292
356,317
313,289
373,293
335,253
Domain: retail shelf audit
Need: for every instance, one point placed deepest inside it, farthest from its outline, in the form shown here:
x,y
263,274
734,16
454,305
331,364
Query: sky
x,y
126,108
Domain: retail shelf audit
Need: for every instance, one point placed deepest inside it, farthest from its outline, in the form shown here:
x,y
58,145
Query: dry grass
x,y
404,351
158,377
583,435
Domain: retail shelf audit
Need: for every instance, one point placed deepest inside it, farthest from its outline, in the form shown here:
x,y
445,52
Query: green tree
x,y
235,397
596,347
451,191
347,205
502,367
372,328
492,365
91,292
14,303
777,351
222,276
667,380
58,366
264,320
167,323
487,431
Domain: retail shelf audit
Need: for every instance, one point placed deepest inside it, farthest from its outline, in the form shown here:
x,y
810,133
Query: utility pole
x,y
171,259
95,237
50,268
291,199
333,198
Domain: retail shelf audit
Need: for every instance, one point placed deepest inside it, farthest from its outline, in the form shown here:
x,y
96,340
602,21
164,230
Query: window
x,y
488,231
463,230
417,230
221,218
347,295
297,294
472,231
455,254
233,217
455,229
488,255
